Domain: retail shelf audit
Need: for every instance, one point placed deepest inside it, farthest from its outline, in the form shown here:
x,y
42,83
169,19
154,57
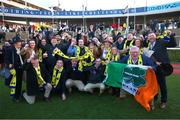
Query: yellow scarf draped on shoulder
x,y
140,61
56,76
81,59
125,44
108,56
82,62
115,57
40,55
40,79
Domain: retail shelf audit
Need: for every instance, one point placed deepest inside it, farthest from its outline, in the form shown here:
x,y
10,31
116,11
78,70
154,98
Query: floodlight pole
x,y
25,4
145,9
2,5
134,16
52,12
127,21
83,18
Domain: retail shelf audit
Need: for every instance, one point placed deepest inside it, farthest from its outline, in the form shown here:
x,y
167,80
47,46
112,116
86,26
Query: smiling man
x,y
137,59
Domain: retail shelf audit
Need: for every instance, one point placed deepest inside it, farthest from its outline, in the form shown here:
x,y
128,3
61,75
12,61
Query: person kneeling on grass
x,y
96,77
74,76
59,79
37,79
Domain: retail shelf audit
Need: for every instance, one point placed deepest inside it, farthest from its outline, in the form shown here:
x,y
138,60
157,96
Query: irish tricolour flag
x,y
137,80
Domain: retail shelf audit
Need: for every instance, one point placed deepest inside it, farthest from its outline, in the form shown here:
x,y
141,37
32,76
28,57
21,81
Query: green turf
x,y
174,56
83,105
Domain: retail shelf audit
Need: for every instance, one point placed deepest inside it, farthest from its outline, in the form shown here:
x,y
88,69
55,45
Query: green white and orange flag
x,y
137,80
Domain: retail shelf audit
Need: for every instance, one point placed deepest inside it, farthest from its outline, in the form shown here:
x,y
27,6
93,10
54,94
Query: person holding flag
x,y
137,59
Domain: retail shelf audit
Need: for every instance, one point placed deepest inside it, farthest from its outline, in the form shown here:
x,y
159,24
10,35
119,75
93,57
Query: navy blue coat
x,y
160,52
146,61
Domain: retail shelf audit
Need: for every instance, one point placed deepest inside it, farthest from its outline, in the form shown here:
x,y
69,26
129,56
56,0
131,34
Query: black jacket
x,y
73,72
160,52
11,57
32,83
96,75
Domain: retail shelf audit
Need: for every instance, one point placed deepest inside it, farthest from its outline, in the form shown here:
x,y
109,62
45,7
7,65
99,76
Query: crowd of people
x,y
162,25
59,63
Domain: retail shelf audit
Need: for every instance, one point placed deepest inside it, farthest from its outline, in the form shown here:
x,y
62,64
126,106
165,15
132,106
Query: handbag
x,y
166,69
6,70
5,73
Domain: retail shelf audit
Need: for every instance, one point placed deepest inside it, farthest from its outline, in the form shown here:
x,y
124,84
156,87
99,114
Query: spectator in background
x,y
119,42
29,50
91,32
139,44
72,48
1,56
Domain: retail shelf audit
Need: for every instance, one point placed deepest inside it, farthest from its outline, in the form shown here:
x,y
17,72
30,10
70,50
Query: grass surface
x,y
174,56
84,105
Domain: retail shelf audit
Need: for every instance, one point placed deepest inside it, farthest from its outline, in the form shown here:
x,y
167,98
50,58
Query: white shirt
x,y
104,53
152,45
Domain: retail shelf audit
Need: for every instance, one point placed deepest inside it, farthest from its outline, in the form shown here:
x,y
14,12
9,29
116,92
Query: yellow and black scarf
x,y
115,57
12,84
107,57
56,76
40,79
140,61
40,57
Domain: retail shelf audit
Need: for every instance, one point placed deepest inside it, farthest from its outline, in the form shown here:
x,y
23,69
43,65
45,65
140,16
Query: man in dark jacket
x,y
96,77
51,60
37,78
74,76
160,56
14,61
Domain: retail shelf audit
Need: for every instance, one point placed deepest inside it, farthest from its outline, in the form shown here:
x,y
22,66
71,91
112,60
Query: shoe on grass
x,y
163,105
63,97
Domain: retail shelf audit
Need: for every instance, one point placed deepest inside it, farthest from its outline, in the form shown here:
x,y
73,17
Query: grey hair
x,y
134,47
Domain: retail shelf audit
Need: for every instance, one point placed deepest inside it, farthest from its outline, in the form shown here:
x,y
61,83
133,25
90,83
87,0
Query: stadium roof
x,y
23,4
98,4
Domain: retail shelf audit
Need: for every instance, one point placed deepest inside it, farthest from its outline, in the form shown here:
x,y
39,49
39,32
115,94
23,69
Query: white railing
x,y
176,48
178,40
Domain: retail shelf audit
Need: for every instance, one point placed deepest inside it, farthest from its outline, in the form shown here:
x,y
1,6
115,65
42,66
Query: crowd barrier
x,y
10,35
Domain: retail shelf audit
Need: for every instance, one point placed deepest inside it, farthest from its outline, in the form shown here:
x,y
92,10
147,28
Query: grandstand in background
x,y
22,4
21,10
